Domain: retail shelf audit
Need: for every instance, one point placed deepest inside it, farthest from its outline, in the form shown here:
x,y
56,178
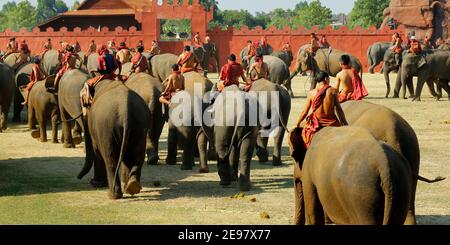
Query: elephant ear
x,y
422,61
297,146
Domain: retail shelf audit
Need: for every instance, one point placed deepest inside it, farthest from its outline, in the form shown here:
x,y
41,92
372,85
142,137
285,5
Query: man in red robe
x,y
35,76
187,61
230,73
324,102
351,83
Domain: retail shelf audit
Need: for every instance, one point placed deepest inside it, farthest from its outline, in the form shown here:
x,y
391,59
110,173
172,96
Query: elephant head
x,y
411,65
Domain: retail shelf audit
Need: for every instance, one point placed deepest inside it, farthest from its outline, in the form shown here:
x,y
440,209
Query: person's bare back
x,y
175,83
344,81
329,102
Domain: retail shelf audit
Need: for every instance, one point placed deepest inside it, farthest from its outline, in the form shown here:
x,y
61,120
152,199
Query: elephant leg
x,y
115,189
234,164
444,85
18,99
411,88
278,142
202,142
430,85
388,83
55,119
245,158
398,84
314,210
42,120
411,215
154,135
439,90
288,85
76,135
31,115
172,146
404,85
372,68
188,149
68,141
133,185
224,170
420,83
212,154
261,148
299,214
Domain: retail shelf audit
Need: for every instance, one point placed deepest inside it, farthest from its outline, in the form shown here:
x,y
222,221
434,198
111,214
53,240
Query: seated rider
x,y
314,44
196,41
47,47
187,60
323,43
397,47
351,82
287,48
140,63
25,55
123,54
77,47
92,48
69,62
251,51
230,73
416,48
155,50
324,102
11,47
257,71
175,84
35,76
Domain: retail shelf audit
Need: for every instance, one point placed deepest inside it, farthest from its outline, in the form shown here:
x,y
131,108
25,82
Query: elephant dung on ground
x,y
117,126
375,54
347,176
7,89
389,127
278,72
150,89
274,105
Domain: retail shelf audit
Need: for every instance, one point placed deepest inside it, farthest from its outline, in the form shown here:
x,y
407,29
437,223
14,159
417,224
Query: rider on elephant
x,y
314,44
155,50
352,86
112,45
69,62
175,84
264,44
251,51
187,60
324,102
123,54
25,55
35,76
140,63
427,42
47,47
416,48
92,48
196,41
77,47
323,43
287,48
11,47
230,73
397,47
258,70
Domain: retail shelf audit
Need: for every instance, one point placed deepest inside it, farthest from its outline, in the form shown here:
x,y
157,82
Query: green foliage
x,y
47,9
366,13
312,14
15,16
75,5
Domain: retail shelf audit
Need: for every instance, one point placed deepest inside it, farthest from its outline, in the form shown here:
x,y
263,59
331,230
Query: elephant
x,y
375,54
22,78
51,62
42,105
160,66
150,89
7,89
92,63
390,65
278,71
70,85
444,47
389,127
265,89
432,66
205,54
117,127
260,50
287,57
11,60
347,176
326,59
185,133
234,136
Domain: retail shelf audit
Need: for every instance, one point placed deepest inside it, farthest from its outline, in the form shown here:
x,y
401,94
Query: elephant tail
x,y
437,179
370,61
126,135
387,186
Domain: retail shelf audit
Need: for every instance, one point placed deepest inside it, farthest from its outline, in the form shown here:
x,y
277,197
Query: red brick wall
x,y
228,41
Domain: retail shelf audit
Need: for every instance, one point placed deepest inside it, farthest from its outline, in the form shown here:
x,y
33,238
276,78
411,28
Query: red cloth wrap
x,y
230,73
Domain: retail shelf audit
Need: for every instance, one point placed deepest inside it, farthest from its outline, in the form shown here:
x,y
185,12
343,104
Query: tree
x,y
24,15
47,9
75,5
312,14
366,13
280,18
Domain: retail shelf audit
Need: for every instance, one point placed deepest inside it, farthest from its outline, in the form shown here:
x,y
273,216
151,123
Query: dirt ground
x,y
38,182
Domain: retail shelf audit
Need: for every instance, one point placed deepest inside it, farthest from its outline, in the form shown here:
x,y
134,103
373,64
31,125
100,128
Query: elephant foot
x,y
204,170
416,99
77,140
234,177
67,145
396,96
115,195
244,185
225,183
36,134
133,186
262,155
276,161
411,96
153,159
43,140
98,184
186,167
55,141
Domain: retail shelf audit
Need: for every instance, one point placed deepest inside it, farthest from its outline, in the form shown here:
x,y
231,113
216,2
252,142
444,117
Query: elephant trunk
x,y
388,83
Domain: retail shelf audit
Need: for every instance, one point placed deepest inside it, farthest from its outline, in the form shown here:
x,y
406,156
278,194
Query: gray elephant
x,y
234,136
433,66
375,54
287,57
184,134
389,127
117,126
22,78
92,63
278,71
51,62
150,90
347,176
265,90
205,54
160,66
42,105
11,60
326,59
391,65
7,89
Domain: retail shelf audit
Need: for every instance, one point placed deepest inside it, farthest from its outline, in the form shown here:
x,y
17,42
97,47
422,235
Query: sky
x,y
253,6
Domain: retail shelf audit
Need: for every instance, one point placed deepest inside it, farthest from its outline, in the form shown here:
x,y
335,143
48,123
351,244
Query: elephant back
x,y
12,59
50,62
92,62
23,74
161,65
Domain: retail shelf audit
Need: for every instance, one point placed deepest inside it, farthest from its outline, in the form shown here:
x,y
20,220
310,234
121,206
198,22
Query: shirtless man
x,y
175,83
47,47
324,101
314,44
92,48
187,60
350,81
258,70
11,47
